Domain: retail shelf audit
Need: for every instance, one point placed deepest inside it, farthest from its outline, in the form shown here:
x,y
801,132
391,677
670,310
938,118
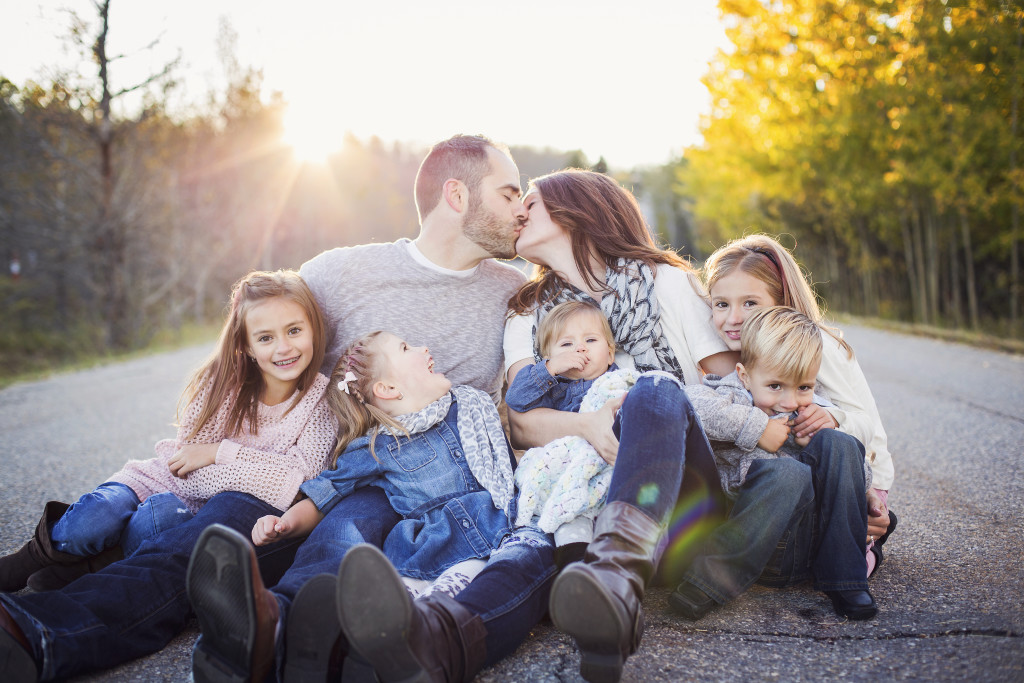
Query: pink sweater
x,y
288,450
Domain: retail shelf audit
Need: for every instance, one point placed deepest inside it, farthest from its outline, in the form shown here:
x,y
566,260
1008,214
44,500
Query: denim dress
x,y
447,516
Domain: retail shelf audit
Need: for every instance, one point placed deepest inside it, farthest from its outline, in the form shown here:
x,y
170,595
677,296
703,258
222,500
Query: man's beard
x,y
486,230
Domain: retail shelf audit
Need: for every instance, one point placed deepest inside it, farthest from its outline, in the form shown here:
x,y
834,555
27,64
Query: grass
x,y
26,368
977,339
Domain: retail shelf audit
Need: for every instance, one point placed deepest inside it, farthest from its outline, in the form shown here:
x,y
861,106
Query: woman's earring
x,y
401,396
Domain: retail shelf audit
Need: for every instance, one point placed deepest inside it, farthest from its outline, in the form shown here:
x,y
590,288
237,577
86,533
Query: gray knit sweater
x,y
733,425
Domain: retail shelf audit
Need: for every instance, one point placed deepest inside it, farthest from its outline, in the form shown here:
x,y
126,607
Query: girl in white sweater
x,y
755,271
252,419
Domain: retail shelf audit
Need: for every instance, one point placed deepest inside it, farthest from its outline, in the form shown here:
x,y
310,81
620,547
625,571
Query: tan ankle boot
x,y
598,601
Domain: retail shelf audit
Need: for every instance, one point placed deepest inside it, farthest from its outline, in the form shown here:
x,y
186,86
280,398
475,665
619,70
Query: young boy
x,y
562,486
813,488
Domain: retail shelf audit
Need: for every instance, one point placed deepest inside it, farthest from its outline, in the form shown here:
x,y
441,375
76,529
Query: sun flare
x,y
310,133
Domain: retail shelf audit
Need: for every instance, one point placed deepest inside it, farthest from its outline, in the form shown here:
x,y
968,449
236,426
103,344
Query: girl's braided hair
x,y
351,400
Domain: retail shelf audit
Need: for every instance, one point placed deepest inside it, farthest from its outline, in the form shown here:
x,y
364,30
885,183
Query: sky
x,y
613,79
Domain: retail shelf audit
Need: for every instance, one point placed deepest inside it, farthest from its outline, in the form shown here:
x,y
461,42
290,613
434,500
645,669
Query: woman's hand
x,y
774,435
597,429
191,457
878,516
809,420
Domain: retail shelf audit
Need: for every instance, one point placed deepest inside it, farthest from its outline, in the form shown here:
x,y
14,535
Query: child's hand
x,y
774,435
809,420
878,515
191,457
563,362
268,529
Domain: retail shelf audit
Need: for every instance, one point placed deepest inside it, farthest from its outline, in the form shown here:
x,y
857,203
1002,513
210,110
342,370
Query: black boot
x,y
597,601
16,568
432,639
57,576
237,615
314,645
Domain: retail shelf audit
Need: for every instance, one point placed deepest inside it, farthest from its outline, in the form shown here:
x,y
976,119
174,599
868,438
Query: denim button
x,y
465,523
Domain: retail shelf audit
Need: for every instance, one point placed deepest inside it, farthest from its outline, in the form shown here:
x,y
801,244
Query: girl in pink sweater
x,y
251,419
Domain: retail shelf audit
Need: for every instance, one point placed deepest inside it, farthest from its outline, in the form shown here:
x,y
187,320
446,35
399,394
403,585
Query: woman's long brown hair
x,y
602,220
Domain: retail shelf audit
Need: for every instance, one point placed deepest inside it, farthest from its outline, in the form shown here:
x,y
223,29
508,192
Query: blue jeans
x,y
663,451
111,515
133,607
793,519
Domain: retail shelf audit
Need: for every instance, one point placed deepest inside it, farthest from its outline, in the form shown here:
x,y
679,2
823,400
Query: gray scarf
x,y
632,311
481,435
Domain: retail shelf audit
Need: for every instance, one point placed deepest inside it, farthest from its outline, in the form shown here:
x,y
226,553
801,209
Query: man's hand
x,y
191,457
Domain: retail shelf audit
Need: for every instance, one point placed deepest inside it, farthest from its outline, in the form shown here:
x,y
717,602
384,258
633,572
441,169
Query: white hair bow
x,y
343,384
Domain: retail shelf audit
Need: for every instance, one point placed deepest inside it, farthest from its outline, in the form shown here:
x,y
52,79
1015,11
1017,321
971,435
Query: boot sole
x,y
220,588
580,607
375,611
313,629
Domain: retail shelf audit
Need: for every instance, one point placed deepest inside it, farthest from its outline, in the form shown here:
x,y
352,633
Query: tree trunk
x,y
972,287
933,266
908,255
919,262
1015,205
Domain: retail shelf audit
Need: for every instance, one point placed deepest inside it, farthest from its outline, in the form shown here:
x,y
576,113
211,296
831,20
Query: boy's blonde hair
x,y
783,339
353,406
554,322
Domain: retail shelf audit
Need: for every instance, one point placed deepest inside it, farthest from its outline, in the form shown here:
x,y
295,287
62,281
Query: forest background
x,y
879,139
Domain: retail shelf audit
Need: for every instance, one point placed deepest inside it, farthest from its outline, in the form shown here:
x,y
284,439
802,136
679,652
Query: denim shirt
x,y
534,387
447,515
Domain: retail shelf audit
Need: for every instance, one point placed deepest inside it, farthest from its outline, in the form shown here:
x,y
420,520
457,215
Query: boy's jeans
x,y
793,519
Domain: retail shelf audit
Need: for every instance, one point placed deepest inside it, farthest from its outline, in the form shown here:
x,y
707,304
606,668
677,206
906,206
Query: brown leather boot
x,y
57,576
428,640
598,601
16,568
237,615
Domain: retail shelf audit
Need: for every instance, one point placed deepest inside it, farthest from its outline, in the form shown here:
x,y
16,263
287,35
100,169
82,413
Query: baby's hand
x,y
563,362
809,421
268,529
774,435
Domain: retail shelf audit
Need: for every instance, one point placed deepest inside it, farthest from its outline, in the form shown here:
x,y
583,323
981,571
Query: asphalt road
x,y
951,592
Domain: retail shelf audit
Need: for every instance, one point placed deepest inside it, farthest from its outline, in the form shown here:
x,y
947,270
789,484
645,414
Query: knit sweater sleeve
x,y
726,412
272,465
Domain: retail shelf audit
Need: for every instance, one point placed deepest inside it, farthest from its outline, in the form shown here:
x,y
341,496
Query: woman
x,y
587,236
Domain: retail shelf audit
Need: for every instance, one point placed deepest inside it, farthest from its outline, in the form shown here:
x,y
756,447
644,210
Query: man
x,y
442,290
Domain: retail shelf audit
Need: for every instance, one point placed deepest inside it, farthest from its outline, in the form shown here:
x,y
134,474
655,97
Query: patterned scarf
x,y
481,434
633,312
